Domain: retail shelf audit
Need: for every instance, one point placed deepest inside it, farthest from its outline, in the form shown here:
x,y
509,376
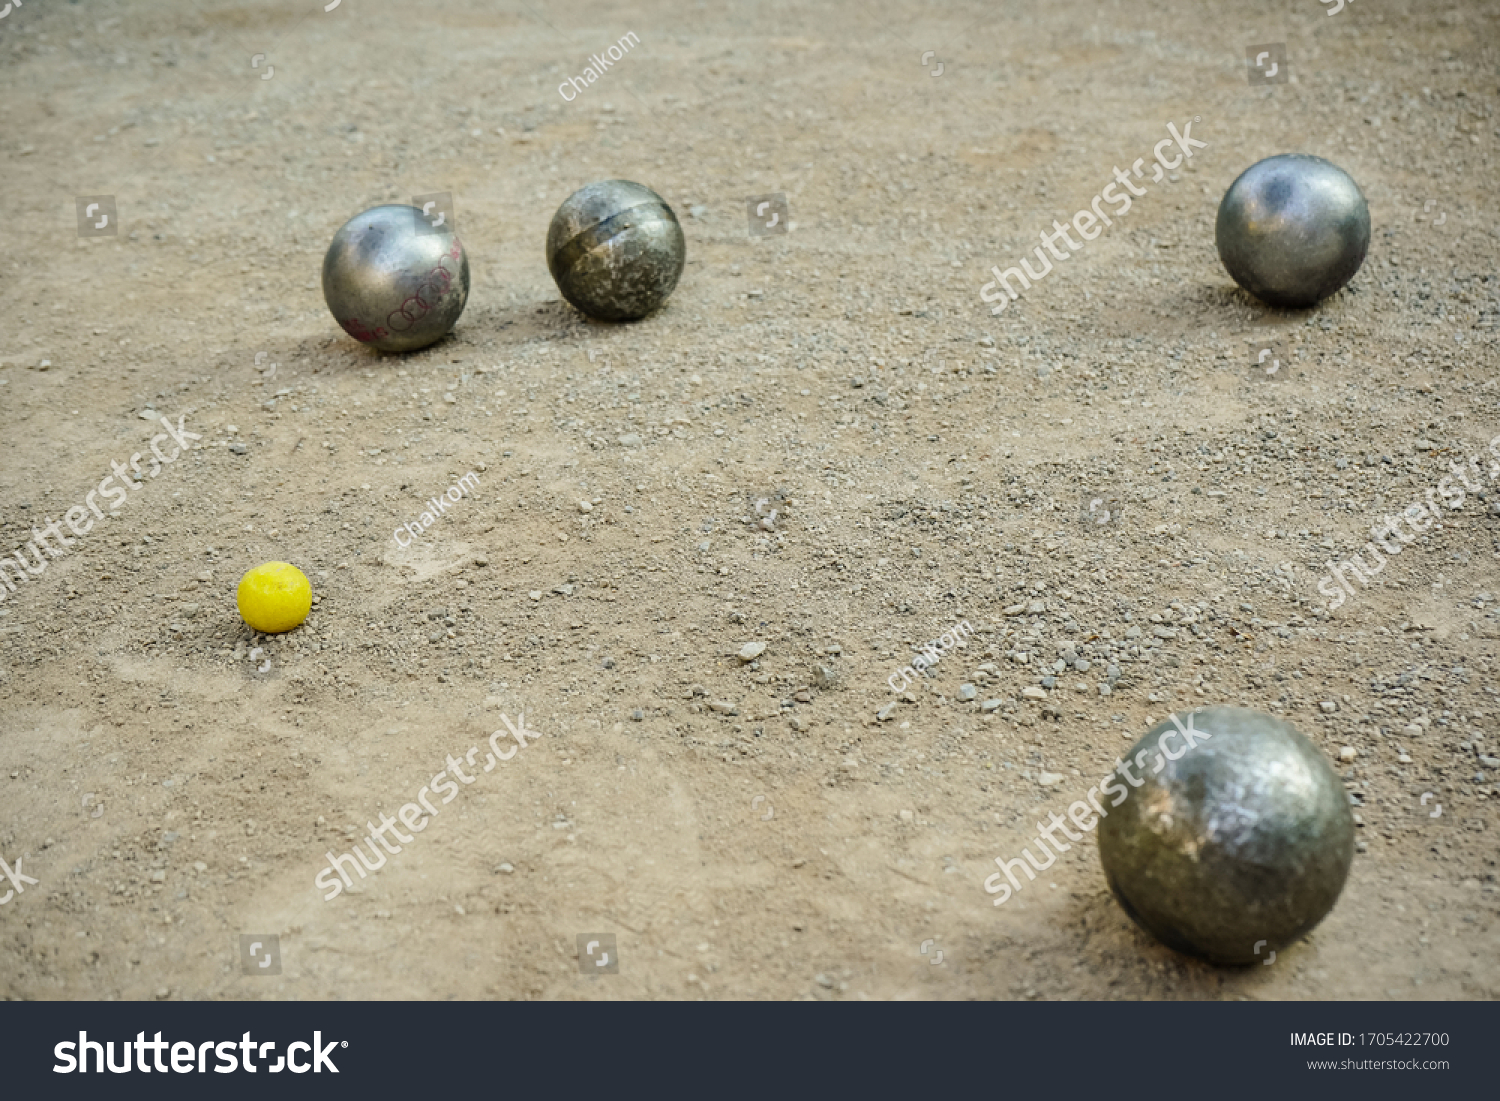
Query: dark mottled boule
x,y
1245,838
1293,229
615,250
393,281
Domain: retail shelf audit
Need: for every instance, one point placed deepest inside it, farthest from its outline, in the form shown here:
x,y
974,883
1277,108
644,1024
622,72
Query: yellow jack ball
x,y
274,597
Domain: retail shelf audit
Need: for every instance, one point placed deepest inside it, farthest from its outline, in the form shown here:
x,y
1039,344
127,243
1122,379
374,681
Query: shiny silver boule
x,y
615,250
1237,848
1293,229
394,281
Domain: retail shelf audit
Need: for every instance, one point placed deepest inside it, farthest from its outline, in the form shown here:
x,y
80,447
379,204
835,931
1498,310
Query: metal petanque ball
x,y
1237,848
1293,229
615,250
393,280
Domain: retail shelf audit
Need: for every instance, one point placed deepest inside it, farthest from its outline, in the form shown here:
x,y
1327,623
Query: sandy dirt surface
x,y
743,829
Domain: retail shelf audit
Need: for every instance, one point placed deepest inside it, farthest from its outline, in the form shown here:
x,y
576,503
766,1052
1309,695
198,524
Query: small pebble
x,y
752,650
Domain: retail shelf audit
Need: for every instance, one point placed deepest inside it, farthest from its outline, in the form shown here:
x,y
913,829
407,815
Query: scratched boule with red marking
x,y
394,280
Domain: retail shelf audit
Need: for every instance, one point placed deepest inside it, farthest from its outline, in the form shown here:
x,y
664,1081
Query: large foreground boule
x,y
395,281
1293,229
1235,849
615,250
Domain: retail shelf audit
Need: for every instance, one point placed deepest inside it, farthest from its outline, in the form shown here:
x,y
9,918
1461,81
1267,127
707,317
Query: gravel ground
x,y
724,780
